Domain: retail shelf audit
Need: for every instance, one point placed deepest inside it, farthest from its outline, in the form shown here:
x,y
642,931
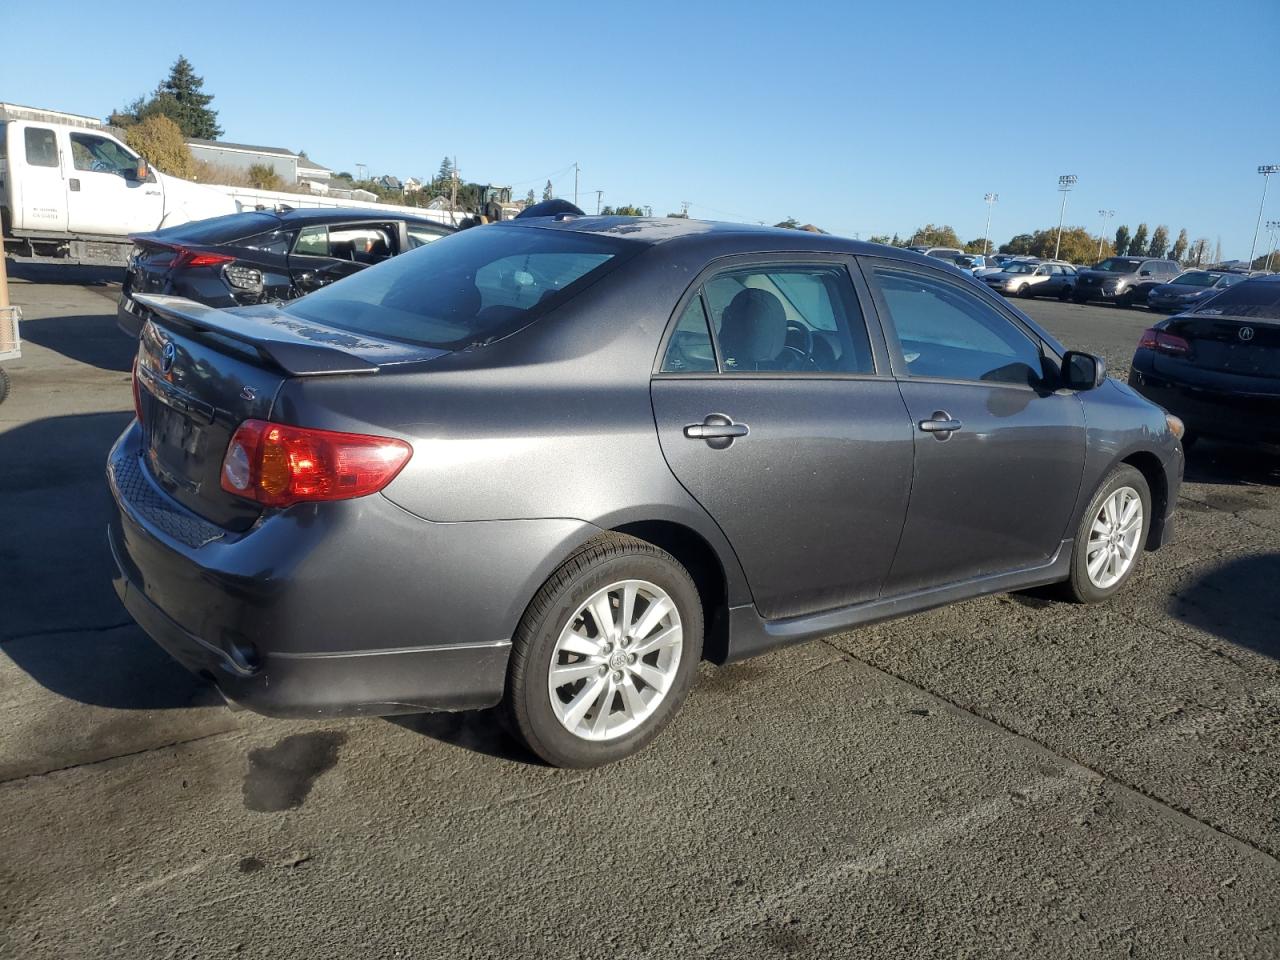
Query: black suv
x,y
1124,280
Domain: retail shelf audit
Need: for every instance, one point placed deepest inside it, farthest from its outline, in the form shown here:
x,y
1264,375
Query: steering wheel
x,y
101,166
805,335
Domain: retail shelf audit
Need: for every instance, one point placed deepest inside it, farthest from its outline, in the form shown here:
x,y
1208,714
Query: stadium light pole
x,y
1272,227
991,200
1102,234
1065,183
1267,169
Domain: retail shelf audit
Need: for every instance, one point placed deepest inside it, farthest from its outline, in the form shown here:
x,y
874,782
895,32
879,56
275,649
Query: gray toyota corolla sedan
x,y
555,463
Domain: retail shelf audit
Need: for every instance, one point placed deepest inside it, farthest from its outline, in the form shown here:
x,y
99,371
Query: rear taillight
x,y
1169,343
277,464
190,258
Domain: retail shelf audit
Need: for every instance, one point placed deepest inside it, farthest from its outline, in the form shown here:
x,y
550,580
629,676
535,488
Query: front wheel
x,y
605,653
1065,294
1026,291
1111,535
1125,299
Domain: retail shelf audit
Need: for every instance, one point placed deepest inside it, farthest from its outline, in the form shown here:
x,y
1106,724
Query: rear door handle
x,y
718,430
941,425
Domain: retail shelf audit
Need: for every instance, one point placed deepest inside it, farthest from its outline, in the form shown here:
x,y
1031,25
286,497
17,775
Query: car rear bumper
x,y
318,611
130,315
1247,418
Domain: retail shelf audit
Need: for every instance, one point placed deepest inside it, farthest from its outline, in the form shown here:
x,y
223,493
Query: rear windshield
x,y
467,289
233,226
1197,278
1252,298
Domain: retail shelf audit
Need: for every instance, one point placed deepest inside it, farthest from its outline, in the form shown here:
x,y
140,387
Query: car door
x,y
777,411
40,192
999,453
324,253
104,194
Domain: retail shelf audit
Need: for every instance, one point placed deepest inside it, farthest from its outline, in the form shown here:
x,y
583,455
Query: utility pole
x,y
599,194
684,208
991,200
1267,169
1065,183
575,183
1105,215
648,210
1272,227
453,194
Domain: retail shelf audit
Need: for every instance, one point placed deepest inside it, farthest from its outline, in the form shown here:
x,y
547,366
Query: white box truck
x,y
71,192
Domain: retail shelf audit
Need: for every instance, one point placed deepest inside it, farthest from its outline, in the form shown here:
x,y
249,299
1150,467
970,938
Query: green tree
x,y
791,223
186,89
976,246
264,177
1122,240
883,238
530,199
935,236
628,210
160,142
446,170
1019,245
1159,242
1179,251
547,191
343,175
1138,245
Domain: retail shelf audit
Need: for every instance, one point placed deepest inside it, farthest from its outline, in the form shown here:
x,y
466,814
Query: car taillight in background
x,y
193,258
1169,343
277,464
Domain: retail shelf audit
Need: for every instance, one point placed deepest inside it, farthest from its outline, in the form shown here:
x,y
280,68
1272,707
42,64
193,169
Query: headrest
x,y
753,328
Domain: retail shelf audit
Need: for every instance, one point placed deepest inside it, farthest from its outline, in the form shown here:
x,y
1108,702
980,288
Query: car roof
x,y
346,214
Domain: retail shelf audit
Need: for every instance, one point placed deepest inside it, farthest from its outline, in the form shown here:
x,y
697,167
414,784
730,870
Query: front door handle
x,y
74,184
717,430
941,425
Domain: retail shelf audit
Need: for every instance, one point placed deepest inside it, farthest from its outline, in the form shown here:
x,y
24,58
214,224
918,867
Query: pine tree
x,y
183,87
530,199
1122,240
445,173
1159,242
1179,251
547,191
1138,245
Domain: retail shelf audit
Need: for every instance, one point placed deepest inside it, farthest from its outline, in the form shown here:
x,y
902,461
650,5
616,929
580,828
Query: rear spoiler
x,y
294,345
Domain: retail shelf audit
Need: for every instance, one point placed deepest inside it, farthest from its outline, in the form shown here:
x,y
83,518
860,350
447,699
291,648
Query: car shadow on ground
x,y
93,339
60,620
69,274
1212,462
481,731
1229,602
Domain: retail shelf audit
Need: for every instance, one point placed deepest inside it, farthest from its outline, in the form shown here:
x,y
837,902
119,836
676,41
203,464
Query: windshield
x,y
1118,265
1252,298
1196,278
470,288
1019,268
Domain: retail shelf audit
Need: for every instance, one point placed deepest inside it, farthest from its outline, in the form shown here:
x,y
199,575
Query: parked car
x,y
1048,279
1124,281
1190,288
999,261
971,263
942,253
1217,366
262,257
554,463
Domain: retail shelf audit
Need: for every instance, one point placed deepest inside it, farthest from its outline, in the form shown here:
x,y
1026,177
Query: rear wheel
x,y
1111,536
1065,293
605,654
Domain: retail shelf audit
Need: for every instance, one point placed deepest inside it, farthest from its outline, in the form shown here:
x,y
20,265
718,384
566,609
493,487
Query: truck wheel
x,y
605,654
4,384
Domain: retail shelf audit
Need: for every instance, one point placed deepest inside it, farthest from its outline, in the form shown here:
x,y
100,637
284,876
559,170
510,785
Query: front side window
x,y
100,155
788,318
947,333
42,148
420,235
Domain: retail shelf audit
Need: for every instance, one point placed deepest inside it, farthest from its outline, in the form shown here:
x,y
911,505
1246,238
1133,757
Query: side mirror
x,y
137,174
1083,371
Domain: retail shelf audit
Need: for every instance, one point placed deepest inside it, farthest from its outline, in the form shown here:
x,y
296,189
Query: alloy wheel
x,y
1113,538
615,660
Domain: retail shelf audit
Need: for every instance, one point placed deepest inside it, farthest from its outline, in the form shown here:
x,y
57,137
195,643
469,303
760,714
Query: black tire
x,y
1076,298
1079,586
4,384
1125,299
598,564
1027,291
1065,294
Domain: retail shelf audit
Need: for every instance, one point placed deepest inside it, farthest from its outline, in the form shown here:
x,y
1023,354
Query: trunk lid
x,y
1236,345
202,372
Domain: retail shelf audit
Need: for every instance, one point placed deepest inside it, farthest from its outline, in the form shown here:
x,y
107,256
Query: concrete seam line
x,y
119,756
1152,802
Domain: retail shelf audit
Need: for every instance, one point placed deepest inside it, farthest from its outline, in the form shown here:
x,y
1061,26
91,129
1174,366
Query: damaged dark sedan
x,y
552,464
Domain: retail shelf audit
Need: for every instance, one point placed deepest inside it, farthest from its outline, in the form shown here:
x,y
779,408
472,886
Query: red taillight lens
x,y
1148,338
189,258
277,464
1169,343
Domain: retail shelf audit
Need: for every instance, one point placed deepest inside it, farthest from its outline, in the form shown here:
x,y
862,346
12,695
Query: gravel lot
x,y
1012,775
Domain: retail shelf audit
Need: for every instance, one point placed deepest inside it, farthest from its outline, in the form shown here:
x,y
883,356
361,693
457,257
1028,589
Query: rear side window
x,y
359,243
1259,299
782,318
42,148
948,333
421,234
467,289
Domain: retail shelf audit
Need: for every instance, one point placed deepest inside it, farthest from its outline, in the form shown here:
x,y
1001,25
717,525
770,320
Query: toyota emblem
x,y
1246,333
170,352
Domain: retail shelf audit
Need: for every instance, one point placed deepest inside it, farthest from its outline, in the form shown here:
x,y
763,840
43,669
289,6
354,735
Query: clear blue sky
x,y
859,117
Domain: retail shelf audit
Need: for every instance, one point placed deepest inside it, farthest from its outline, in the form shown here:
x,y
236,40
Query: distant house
x,y
311,171
388,182
412,185
241,156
